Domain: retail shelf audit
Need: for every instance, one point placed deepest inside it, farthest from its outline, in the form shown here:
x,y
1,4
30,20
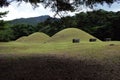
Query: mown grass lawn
x,y
84,49
60,61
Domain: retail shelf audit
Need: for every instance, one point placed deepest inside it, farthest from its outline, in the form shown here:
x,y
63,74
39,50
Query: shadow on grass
x,y
54,68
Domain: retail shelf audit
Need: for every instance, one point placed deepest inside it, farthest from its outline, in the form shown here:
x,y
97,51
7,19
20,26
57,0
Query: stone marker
x,y
92,40
76,40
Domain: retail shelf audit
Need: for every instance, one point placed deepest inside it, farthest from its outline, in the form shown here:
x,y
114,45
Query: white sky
x,y
25,10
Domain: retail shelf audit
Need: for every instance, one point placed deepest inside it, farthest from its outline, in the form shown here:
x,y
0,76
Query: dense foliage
x,y
101,24
2,14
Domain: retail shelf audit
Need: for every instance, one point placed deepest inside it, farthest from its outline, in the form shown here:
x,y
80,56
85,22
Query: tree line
x,y
99,23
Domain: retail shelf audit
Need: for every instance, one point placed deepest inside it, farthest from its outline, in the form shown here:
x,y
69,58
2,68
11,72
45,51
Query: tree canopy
x,y
62,5
2,14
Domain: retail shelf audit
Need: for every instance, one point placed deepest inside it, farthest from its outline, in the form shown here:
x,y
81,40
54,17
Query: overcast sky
x,y
25,10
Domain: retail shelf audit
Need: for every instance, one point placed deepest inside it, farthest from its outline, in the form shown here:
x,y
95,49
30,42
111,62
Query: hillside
x,y
31,20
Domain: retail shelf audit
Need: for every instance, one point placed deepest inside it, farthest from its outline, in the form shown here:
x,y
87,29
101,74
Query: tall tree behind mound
x,y
68,34
37,37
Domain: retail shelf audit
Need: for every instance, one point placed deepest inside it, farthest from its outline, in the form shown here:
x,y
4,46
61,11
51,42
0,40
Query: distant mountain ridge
x,y
31,20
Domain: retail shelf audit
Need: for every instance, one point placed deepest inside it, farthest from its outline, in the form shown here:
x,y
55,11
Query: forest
x,y
99,23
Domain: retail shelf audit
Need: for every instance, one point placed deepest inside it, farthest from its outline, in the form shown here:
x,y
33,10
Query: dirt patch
x,y
54,68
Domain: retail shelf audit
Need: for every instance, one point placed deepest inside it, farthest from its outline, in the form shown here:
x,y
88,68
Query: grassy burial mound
x,y
21,39
35,37
68,34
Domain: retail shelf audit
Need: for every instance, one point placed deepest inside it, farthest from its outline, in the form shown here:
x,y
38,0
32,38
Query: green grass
x,y
37,37
94,50
68,34
21,39
61,44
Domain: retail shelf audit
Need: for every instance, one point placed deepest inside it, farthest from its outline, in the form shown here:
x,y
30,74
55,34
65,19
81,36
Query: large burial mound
x,y
35,37
67,35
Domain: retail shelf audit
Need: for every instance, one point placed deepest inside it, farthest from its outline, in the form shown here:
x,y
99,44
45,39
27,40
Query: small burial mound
x,y
67,35
21,39
35,38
